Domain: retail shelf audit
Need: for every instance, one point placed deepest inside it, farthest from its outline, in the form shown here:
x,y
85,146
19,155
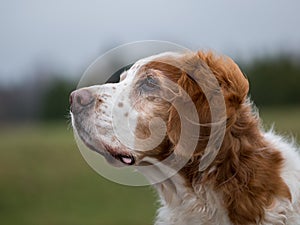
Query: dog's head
x,y
141,116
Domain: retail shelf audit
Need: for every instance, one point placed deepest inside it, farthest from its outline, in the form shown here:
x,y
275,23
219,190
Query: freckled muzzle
x,y
81,103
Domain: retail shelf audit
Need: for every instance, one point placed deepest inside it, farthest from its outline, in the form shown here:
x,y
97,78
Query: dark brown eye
x,y
149,83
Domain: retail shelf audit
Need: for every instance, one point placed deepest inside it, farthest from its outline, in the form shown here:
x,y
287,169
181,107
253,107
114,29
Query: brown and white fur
x,y
254,178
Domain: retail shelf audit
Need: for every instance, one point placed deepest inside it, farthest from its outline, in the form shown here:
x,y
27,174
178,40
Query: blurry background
x,y
45,47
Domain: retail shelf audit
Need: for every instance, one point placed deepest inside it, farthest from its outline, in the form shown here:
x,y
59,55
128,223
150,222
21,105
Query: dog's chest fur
x,y
181,205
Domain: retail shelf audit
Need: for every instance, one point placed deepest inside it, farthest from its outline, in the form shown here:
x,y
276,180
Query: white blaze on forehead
x,y
126,126
125,117
159,57
122,117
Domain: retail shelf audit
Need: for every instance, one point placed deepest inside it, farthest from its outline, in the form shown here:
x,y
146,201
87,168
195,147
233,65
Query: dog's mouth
x,y
125,158
111,154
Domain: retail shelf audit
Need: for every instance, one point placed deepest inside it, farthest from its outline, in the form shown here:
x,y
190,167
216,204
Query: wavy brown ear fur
x,y
212,73
241,171
232,81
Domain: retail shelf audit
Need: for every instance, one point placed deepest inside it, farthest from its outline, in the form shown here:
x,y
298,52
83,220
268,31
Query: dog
x,y
173,103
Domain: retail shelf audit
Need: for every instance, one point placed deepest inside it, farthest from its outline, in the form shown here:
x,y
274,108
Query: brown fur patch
x,y
247,169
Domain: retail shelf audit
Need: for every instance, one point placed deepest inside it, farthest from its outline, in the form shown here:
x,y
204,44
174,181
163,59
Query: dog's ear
x,y
207,67
181,113
234,84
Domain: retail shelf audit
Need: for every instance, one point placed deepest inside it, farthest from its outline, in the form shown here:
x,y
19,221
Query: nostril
x,y
80,98
84,97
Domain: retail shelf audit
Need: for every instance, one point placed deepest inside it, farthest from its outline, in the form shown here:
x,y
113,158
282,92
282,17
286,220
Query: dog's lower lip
x,y
126,159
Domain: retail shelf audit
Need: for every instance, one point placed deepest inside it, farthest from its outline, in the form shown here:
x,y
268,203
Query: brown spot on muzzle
x,y
99,101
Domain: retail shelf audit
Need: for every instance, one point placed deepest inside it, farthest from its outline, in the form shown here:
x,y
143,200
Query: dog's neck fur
x,y
183,204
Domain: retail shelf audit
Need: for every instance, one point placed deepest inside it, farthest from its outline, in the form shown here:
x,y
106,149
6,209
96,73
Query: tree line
x,y
273,82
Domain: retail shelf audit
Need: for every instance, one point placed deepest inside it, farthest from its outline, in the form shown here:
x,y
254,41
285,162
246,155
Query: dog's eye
x,y
149,83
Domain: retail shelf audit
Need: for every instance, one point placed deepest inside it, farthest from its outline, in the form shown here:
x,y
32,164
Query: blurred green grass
x,y
285,119
45,181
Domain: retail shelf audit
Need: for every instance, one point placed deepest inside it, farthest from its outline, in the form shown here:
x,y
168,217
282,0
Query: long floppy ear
x,y
230,79
187,84
234,84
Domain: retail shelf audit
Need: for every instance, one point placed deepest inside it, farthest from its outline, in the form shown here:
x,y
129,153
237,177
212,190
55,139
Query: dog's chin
x,y
112,160
113,156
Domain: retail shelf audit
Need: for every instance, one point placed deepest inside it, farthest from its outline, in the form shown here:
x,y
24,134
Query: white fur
x,y
291,175
181,205
107,120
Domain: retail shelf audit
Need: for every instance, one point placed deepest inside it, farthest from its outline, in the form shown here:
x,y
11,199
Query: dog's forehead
x,y
158,57
133,74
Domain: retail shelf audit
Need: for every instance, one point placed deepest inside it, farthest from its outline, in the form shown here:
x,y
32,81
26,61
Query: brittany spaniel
x,y
244,176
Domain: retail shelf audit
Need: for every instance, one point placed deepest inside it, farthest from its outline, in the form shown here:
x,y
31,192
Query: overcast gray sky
x,y
70,34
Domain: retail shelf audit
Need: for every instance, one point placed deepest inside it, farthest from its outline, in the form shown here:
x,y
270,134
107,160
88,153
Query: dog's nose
x,y
79,99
